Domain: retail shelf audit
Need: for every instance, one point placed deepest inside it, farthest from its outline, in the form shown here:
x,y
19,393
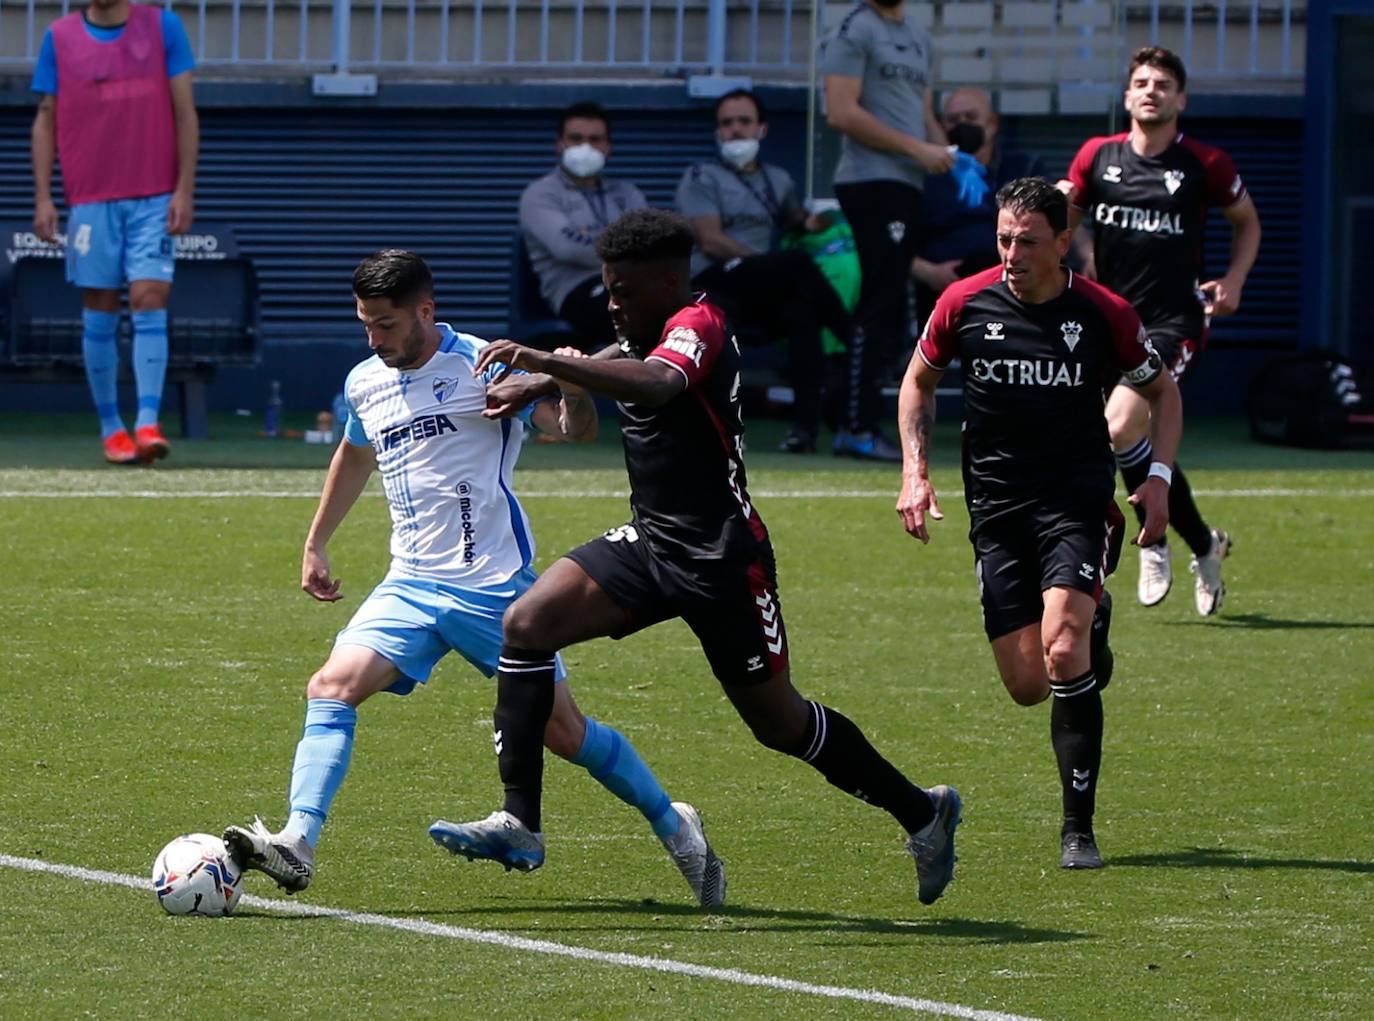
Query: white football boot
x,y
500,837
1156,574
1208,588
285,857
692,854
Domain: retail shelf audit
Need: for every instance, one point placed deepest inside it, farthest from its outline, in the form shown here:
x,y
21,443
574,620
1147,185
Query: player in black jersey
x,y
1037,344
1146,193
695,548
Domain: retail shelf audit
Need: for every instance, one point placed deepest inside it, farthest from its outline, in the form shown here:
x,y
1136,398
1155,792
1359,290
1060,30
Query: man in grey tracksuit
x,y
564,212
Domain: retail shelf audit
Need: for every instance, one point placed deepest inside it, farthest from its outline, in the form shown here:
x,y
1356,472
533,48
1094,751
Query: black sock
x,y
1184,516
1076,733
839,750
1135,469
524,701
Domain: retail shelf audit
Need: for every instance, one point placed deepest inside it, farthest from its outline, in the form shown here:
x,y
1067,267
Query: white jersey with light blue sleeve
x,y
445,469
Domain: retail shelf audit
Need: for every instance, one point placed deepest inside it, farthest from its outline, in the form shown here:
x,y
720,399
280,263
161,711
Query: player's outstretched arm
x,y
347,477
651,383
1166,431
916,420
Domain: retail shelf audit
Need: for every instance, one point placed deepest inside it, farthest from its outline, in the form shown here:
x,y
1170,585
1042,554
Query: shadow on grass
x,y
1263,622
562,916
1230,858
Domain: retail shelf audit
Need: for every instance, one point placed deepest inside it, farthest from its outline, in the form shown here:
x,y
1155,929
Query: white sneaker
x,y
704,872
285,857
1156,574
1208,588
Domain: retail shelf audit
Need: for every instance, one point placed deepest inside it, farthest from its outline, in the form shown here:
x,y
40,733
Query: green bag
x,y
834,252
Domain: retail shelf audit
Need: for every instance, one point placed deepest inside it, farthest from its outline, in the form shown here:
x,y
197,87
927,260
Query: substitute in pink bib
x,y
116,135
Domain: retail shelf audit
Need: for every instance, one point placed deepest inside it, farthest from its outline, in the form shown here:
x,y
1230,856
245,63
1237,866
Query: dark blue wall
x,y
313,186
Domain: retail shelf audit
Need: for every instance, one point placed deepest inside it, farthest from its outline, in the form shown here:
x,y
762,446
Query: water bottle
x,y
273,410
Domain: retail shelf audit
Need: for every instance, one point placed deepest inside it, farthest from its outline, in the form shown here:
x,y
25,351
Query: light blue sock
x,y
101,356
613,762
321,764
150,363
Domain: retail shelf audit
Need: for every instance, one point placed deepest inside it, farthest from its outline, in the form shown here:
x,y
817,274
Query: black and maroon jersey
x,y
685,458
1034,428
1147,214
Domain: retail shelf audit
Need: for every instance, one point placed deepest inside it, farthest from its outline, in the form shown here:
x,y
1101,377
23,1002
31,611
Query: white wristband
x,y
1160,470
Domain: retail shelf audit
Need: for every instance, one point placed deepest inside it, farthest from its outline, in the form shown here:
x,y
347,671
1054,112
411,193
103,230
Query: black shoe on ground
x,y
1079,851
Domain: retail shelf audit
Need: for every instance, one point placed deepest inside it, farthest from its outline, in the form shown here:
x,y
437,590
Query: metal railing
x,y
1249,39
767,39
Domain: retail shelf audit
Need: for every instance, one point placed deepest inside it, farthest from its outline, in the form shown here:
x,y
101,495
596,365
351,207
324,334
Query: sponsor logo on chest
x,y
1027,371
419,428
1149,221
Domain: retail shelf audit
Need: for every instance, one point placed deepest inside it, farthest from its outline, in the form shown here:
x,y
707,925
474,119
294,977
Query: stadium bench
x,y
213,316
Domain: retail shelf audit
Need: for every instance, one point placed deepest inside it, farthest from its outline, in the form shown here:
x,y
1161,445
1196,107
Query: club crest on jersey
x,y
896,230
1112,174
1173,180
1071,331
444,386
684,340
995,332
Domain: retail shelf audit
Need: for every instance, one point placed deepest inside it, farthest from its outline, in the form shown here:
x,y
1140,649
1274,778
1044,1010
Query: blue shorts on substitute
x,y
111,243
414,623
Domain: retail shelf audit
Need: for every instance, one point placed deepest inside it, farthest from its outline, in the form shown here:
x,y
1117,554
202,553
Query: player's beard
x,y
410,349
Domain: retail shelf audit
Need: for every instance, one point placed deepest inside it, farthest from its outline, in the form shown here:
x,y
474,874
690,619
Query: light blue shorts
x,y
111,243
414,623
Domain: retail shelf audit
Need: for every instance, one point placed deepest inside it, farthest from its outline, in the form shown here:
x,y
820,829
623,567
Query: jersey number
x,y
82,241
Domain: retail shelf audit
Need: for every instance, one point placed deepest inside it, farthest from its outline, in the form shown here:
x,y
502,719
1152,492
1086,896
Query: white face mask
x,y
583,160
739,151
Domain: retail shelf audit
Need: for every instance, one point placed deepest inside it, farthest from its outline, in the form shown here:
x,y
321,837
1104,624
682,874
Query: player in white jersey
x,y
461,552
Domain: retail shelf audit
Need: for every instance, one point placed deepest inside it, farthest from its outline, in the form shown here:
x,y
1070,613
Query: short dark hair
x,y
744,94
1162,60
586,109
394,273
644,235
1036,195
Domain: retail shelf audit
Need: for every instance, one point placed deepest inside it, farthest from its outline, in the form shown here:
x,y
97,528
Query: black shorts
x,y
731,606
1179,343
1019,556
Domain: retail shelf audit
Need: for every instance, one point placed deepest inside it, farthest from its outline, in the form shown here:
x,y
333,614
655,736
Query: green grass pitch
x,y
155,648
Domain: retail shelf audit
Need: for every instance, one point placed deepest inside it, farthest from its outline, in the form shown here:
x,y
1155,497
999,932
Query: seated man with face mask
x,y
564,212
740,207
960,237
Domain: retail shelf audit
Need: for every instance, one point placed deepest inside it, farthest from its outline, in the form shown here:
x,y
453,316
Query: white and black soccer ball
x,y
194,875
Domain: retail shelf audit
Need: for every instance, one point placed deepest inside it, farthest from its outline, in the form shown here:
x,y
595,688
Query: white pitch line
x,y
539,946
762,494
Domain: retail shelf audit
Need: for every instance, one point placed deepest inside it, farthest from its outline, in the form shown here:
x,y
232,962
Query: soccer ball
x,y
194,875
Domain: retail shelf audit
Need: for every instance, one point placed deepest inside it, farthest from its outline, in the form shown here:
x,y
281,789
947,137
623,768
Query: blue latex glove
x,y
972,179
